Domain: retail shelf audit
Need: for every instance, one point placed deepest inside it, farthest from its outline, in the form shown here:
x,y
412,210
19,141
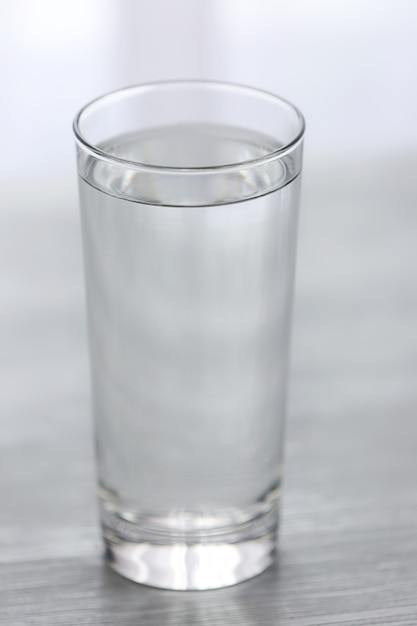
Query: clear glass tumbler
x,y
189,197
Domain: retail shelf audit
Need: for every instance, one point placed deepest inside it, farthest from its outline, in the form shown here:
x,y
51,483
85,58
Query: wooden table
x,y
348,544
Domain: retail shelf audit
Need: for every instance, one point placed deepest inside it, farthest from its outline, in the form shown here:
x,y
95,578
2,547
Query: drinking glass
x,y
189,194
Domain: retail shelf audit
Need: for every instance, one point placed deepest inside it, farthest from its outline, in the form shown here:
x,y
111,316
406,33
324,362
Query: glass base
x,y
190,566
189,550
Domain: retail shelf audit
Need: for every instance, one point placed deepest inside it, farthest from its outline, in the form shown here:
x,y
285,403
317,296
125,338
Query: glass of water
x,y
189,196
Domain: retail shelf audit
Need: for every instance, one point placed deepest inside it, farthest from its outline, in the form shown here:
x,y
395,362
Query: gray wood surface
x,y
348,542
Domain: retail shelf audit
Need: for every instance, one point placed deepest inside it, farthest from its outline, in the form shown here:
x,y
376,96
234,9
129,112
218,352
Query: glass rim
x,y
119,93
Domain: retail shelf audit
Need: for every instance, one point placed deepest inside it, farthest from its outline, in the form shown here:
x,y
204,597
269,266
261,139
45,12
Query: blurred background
x,y
350,66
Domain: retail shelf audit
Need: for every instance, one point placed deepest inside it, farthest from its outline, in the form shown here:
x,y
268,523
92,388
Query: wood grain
x,y
348,543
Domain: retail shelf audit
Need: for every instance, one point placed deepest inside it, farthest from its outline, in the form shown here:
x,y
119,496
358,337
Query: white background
x,y
350,66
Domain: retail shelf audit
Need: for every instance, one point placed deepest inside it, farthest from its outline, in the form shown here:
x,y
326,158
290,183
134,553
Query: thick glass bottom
x,y
197,566
188,562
